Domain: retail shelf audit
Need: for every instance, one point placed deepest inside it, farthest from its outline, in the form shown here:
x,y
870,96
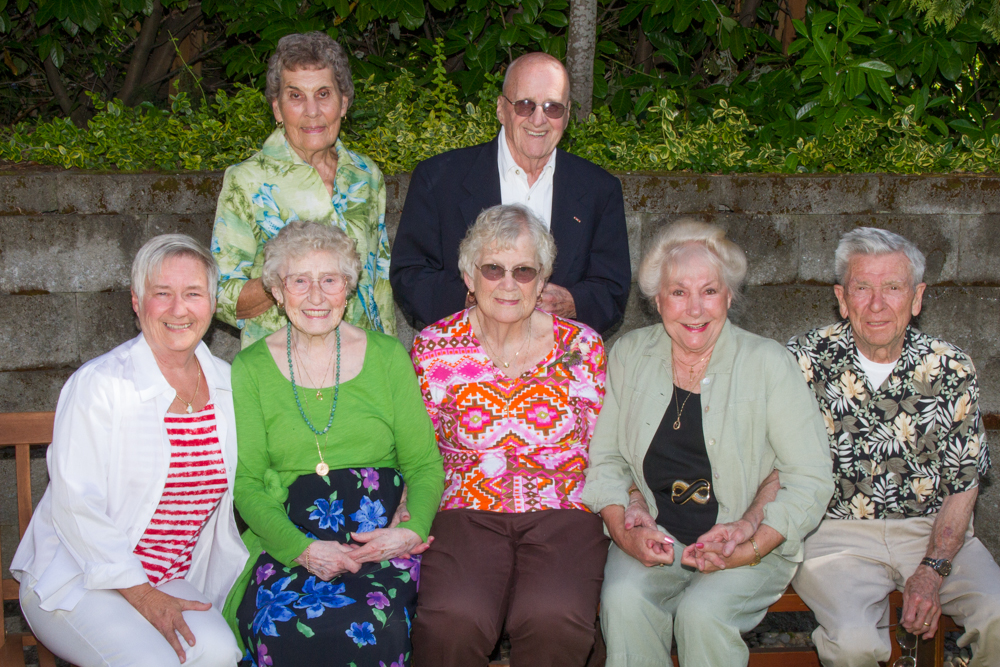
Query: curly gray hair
x,y
159,249
874,241
499,228
309,50
672,242
300,237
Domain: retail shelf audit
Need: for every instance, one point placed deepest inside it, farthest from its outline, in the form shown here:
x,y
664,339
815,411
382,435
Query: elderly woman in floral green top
x,y
303,172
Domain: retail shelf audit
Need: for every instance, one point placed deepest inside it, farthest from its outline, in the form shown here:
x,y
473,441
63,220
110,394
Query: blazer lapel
x,y
481,184
571,214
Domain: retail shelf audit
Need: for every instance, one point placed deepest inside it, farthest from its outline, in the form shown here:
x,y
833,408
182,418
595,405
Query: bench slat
x,y
26,428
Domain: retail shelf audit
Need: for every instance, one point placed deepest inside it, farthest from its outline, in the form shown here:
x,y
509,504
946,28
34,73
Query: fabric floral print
x,y
290,617
899,449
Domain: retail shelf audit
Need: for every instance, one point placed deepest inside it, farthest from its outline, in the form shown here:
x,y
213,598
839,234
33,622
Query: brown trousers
x,y
537,573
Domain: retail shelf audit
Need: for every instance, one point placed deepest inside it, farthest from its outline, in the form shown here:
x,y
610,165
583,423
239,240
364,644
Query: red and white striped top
x,y
195,484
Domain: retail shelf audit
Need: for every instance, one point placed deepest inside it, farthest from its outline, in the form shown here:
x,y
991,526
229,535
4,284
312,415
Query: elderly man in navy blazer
x,y
581,203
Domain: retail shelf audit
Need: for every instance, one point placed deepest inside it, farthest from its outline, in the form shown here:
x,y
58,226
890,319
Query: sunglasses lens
x,y
553,109
524,274
492,271
906,640
524,107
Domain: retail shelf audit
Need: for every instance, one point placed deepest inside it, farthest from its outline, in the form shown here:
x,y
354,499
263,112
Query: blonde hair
x,y
674,241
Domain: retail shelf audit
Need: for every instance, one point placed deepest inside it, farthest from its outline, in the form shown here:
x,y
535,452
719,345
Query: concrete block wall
x,y
67,240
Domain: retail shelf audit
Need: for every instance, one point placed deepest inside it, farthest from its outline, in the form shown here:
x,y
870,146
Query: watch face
x,y
944,567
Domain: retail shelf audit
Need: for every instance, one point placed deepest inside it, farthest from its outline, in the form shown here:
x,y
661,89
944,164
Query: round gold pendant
x,y
322,469
319,395
677,425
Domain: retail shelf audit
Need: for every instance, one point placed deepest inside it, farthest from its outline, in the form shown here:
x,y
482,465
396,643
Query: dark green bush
x,y
399,123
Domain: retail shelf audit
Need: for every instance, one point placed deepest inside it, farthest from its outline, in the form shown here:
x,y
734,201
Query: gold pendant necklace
x,y
492,353
197,385
680,409
677,422
319,390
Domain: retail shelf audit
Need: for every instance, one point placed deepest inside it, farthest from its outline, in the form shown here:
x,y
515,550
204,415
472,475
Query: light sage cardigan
x,y
759,415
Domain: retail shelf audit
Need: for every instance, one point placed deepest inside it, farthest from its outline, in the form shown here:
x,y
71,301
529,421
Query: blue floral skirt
x,y
290,618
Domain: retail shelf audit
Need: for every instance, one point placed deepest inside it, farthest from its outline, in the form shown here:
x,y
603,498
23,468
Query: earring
x,y
281,124
470,297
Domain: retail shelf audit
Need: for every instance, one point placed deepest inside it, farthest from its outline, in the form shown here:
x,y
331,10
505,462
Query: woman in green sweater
x,y
330,423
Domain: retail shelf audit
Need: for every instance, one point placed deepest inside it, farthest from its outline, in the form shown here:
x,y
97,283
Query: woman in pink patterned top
x,y
514,394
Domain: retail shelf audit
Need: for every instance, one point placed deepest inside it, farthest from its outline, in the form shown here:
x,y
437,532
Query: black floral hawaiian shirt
x,y
897,450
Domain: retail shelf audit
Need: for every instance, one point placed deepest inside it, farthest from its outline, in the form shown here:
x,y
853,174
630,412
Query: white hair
x,y
159,249
874,241
673,242
498,228
300,237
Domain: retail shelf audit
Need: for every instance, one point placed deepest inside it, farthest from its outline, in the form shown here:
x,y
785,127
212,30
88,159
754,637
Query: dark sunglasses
x,y
522,274
527,107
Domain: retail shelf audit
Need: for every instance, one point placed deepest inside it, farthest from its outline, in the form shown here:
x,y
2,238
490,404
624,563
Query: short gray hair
x,y
309,50
499,228
874,241
151,256
672,241
299,238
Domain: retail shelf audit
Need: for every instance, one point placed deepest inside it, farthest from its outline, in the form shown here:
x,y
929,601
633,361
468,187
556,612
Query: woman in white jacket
x,y
133,548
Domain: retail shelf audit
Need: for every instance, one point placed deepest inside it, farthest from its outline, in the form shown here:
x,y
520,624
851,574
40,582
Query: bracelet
x,y
756,552
633,489
306,554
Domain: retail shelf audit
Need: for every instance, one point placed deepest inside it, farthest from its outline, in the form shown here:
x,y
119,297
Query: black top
x,y
446,194
679,456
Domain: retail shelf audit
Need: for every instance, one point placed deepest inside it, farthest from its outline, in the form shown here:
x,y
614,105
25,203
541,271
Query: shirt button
x,y
716,475
529,197
706,408
706,380
712,441
517,171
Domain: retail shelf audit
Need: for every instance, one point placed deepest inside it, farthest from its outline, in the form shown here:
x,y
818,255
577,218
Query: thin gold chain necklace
x,y
691,368
319,388
194,397
492,352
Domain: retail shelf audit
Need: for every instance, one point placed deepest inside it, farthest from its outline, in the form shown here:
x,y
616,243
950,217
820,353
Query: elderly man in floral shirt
x,y
908,448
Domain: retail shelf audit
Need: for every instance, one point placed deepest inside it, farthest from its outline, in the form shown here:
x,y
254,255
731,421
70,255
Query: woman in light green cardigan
x,y
714,429
330,423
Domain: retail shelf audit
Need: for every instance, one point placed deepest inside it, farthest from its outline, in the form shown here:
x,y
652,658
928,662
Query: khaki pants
x,y
642,608
851,567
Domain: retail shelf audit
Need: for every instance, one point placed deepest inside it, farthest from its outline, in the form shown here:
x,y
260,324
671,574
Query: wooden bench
x,y
21,430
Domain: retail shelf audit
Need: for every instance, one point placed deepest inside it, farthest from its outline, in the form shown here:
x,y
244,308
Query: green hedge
x,y
400,123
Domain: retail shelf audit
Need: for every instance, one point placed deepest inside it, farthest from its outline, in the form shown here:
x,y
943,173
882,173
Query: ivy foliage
x,y
401,122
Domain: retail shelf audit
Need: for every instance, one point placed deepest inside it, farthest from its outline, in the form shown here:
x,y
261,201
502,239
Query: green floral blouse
x,y
274,187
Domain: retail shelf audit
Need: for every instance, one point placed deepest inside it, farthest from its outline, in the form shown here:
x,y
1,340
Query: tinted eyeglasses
x,y
330,283
527,107
522,274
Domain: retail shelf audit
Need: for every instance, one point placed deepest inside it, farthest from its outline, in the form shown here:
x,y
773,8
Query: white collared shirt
x,y
514,187
108,464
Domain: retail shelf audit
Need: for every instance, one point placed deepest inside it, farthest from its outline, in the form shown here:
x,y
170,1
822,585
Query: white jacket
x,y
108,465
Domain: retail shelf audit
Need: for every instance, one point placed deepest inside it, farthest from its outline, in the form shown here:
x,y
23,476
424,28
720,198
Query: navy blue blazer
x,y
447,193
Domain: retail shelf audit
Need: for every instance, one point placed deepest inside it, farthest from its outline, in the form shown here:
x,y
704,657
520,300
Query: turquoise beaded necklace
x,y
321,468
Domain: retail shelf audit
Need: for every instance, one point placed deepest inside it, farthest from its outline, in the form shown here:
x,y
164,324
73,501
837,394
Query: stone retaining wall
x,y
67,240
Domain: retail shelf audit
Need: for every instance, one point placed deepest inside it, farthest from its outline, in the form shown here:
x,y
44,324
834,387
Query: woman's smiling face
x,y
693,301
311,108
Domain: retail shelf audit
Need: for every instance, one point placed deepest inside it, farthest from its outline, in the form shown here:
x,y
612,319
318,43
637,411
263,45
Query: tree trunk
x,y
796,9
178,26
581,45
143,45
644,52
748,13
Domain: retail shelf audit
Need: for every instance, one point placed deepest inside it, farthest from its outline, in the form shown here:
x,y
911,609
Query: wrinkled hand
x,y
922,603
385,543
649,546
637,514
711,551
557,300
164,612
327,558
401,514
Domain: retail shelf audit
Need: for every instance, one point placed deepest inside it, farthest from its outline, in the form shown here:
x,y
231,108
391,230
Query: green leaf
x,y
554,18
876,66
877,83
964,126
805,109
951,67
938,125
305,629
380,615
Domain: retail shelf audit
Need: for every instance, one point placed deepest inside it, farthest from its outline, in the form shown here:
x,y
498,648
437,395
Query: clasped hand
x,y
715,550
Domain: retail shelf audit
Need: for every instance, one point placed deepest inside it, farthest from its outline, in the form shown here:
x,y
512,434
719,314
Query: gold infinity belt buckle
x,y
699,491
